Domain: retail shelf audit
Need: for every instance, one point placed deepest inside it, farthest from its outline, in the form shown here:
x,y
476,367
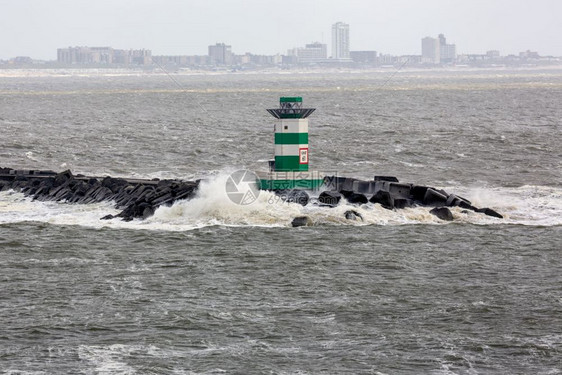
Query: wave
x,y
525,205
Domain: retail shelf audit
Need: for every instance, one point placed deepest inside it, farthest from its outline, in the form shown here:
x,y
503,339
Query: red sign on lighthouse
x,y
303,155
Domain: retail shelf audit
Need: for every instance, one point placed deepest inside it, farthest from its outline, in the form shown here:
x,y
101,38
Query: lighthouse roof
x,y
290,99
291,107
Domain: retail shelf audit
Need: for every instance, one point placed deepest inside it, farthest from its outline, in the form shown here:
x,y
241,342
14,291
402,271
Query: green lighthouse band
x,y
291,138
310,180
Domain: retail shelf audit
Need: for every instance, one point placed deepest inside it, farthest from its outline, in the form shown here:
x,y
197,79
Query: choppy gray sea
x,y
207,286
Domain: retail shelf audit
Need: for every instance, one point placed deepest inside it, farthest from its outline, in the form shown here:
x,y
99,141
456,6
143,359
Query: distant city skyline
x,y
435,52
178,27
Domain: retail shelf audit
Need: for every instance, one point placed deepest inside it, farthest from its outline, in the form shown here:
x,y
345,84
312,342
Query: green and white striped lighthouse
x,y
290,168
291,135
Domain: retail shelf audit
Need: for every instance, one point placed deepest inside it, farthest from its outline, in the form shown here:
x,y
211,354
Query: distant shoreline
x,y
123,72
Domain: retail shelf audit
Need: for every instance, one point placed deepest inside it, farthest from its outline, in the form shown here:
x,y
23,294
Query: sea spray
x,y
211,206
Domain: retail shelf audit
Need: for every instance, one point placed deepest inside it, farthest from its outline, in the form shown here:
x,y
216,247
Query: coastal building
x,y
365,57
386,59
447,52
431,50
310,53
529,55
340,41
74,55
103,56
220,54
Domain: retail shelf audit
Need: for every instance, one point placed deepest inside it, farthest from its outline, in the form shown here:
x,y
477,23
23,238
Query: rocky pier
x,y
388,192
137,198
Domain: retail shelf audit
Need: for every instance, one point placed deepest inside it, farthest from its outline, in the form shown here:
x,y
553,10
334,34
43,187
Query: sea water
x,y
208,286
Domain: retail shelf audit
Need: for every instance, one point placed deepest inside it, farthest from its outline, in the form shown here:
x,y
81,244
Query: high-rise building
x,y
447,52
431,50
220,54
340,41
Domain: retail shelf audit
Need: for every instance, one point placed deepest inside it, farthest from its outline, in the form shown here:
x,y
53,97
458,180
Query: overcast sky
x,y
36,28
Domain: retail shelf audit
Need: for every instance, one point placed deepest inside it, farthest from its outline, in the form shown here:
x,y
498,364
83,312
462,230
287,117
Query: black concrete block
x,y
434,198
386,178
489,212
442,213
357,198
331,198
383,198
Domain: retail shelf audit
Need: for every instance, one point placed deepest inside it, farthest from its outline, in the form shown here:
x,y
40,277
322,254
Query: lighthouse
x,y
290,167
291,134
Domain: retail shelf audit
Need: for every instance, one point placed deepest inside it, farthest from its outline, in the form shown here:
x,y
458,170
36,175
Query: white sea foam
x,y
112,359
31,156
526,205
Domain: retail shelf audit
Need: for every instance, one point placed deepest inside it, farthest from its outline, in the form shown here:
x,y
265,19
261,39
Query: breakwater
x,y
137,198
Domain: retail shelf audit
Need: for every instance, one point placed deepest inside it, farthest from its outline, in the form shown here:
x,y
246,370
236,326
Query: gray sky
x,y
37,28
